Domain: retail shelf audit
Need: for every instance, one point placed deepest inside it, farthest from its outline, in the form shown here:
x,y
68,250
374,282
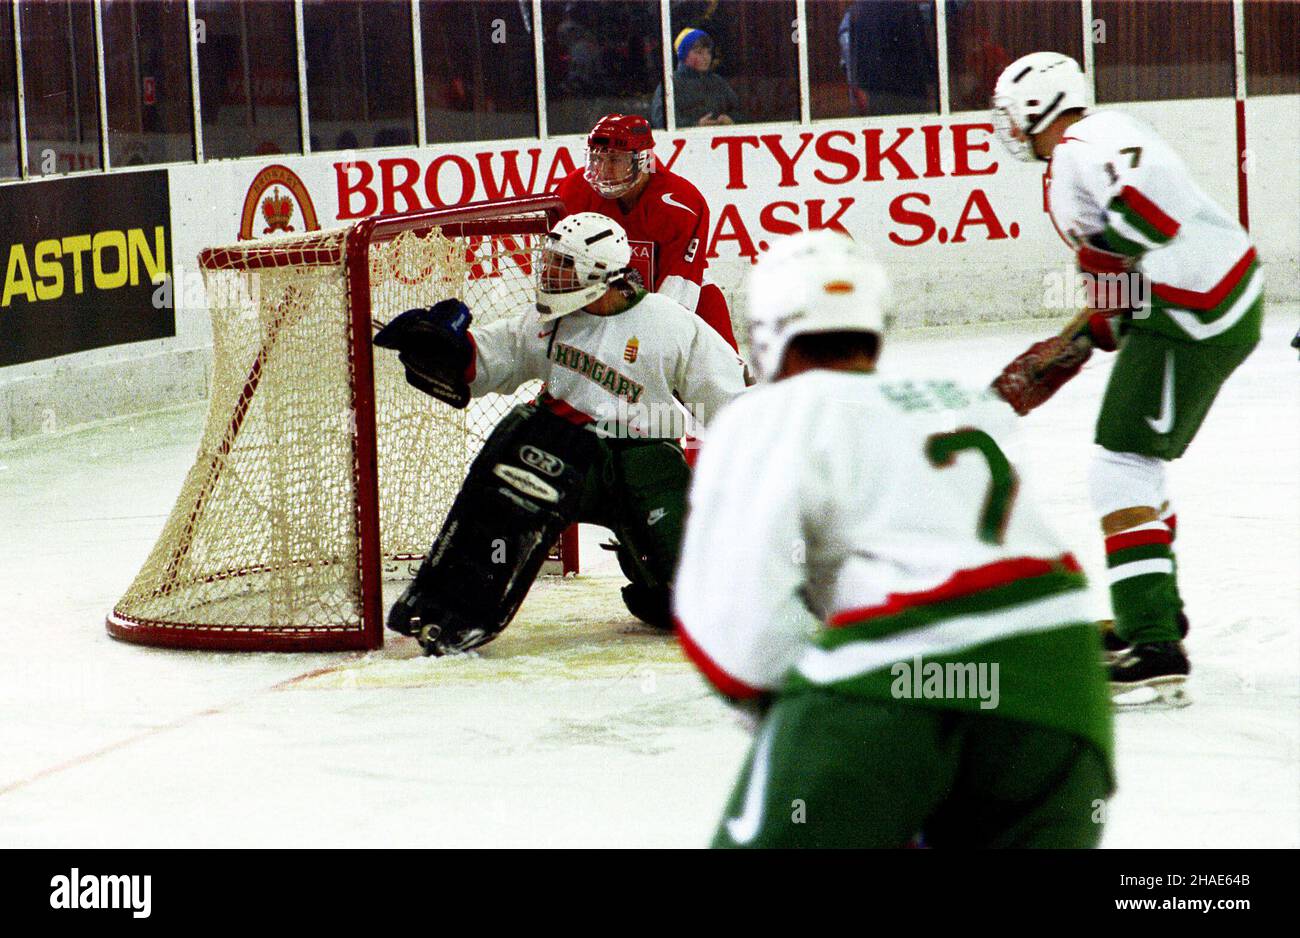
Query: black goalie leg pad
x,y
522,490
651,481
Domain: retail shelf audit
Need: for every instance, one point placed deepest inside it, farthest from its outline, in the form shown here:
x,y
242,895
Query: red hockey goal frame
x,y
517,216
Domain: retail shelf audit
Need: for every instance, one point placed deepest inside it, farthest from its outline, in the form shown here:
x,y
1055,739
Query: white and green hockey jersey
x,y
1112,177
842,523
629,373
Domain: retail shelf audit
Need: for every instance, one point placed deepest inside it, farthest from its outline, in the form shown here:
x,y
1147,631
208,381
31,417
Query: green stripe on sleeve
x,y
1130,215
1122,245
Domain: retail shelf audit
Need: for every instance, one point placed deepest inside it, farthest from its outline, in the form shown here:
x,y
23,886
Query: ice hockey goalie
x,y
623,369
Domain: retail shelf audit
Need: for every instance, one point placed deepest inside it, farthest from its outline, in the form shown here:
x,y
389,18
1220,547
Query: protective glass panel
x,y
8,97
147,82
479,78
248,78
1272,47
984,38
1156,50
60,87
734,63
360,82
602,57
872,57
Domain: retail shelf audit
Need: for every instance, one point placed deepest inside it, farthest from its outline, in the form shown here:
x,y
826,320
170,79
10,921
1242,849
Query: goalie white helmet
x,y
579,258
817,281
1031,93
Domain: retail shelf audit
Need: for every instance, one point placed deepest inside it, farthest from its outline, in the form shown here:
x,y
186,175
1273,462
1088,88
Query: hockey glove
x,y
1103,330
1038,372
434,346
1113,292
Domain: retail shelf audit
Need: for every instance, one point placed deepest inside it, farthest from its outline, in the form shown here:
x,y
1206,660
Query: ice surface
x,y
579,726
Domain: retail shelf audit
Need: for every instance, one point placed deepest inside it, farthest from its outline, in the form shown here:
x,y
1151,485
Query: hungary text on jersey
x,y
622,371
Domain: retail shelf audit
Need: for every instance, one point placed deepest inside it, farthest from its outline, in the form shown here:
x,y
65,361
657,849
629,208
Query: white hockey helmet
x,y
816,281
579,257
1030,93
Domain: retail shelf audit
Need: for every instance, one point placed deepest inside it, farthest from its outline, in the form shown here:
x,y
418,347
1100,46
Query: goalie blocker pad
x,y
522,490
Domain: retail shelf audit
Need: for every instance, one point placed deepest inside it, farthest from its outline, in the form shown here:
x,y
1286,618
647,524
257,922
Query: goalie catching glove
x,y
434,346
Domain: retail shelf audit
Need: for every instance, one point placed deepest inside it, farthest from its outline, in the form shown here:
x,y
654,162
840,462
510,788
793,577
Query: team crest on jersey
x,y
643,261
629,353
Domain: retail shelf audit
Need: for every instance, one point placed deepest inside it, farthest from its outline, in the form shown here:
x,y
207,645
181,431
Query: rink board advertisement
x,y
921,191
938,198
81,259
958,222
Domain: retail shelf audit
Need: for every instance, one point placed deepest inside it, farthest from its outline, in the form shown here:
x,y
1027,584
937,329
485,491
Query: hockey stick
x,y
1076,326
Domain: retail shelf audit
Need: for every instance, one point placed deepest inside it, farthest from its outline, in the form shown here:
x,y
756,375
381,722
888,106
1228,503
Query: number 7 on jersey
x,y
942,449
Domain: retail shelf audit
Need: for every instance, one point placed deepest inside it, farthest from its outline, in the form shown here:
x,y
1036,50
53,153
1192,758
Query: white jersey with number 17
x,y
1114,183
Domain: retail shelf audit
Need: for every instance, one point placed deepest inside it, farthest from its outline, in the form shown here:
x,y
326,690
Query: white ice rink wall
x,y
960,224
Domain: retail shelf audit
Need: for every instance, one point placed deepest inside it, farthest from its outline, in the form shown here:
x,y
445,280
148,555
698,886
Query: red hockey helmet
x,y
620,148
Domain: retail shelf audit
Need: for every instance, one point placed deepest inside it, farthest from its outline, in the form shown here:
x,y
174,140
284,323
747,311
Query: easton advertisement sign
x,y
82,257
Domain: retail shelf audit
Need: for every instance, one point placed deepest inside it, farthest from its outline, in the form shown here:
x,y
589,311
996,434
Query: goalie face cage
x,y
321,473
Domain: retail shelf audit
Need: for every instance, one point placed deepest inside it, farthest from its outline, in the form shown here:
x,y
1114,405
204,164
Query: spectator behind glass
x,y
982,59
586,73
885,52
701,97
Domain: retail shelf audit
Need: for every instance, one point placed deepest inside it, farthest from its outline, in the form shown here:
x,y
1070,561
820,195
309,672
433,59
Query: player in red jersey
x,y
664,215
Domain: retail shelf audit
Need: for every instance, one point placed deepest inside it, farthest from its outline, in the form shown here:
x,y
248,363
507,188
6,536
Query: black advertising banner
x,y
82,259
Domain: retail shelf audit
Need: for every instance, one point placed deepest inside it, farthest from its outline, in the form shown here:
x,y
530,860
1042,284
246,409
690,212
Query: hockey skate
x,y
438,631
653,607
1150,674
452,638
1113,647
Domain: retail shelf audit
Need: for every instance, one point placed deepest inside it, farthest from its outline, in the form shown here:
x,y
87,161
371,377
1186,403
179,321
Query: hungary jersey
x,y
630,373
866,522
1112,177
